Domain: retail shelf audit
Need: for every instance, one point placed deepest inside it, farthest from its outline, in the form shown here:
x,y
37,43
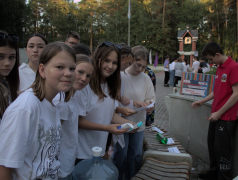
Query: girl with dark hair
x,y
82,49
138,87
34,46
9,76
30,131
96,102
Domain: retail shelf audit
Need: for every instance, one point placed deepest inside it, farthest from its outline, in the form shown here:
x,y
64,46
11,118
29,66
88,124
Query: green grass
x,y
212,71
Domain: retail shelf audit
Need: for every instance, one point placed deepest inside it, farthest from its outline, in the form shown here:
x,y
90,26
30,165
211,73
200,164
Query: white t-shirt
x,y
27,77
172,66
186,68
68,151
206,69
195,65
30,135
100,112
139,88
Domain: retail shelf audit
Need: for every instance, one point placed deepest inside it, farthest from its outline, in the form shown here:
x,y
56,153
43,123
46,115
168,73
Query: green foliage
x,y
212,71
153,24
11,14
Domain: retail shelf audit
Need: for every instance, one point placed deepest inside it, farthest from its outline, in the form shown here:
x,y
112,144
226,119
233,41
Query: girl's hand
x,y
126,111
135,130
151,109
139,104
112,128
125,101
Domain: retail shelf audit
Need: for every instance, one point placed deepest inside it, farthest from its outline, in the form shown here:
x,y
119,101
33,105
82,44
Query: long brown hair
x,y
47,54
114,81
13,77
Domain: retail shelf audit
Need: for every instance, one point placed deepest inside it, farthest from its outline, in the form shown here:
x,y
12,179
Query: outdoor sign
x,y
197,84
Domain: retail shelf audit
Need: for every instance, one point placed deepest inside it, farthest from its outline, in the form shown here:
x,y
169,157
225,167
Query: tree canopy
x,y
153,24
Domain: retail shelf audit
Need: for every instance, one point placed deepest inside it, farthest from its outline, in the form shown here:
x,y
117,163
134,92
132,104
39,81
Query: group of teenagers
x,y
65,101
174,70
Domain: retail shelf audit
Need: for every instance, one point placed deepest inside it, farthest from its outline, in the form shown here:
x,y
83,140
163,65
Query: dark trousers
x,y
220,135
176,79
166,77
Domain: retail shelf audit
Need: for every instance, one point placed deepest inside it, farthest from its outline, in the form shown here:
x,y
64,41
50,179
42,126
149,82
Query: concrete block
x,y
166,103
185,121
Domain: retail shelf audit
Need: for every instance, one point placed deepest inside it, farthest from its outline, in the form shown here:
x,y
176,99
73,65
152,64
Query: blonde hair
x,y
47,54
138,47
80,58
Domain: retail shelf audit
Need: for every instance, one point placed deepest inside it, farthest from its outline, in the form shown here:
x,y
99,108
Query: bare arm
x,y
126,111
88,125
197,104
116,119
5,173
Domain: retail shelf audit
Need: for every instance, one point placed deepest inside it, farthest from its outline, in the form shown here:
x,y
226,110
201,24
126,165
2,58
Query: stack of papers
x,y
142,108
157,129
170,141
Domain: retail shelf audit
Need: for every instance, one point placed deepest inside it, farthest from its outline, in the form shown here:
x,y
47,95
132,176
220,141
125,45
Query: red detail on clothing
x,y
226,77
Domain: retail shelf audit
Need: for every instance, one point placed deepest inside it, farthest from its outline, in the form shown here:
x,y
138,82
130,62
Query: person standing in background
x,y
172,72
166,71
72,38
179,67
196,64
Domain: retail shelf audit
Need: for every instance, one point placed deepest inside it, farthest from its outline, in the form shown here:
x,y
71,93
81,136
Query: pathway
x,y
162,120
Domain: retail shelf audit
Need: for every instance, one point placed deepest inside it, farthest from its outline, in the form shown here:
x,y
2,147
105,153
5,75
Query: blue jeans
x,y
171,78
128,159
69,177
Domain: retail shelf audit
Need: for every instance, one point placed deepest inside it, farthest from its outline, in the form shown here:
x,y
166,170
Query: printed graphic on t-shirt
x,y
223,78
48,152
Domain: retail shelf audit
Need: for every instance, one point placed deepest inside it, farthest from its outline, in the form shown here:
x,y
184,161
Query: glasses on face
x,y
11,37
72,43
140,66
107,43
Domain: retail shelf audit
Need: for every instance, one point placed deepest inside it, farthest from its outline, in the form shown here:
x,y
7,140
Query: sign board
x,y
197,84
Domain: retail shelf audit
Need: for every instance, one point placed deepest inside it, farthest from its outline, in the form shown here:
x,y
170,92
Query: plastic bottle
x,y
139,124
161,138
125,126
95,168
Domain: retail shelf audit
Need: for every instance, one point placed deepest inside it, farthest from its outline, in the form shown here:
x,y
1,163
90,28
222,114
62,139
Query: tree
x,y
11,14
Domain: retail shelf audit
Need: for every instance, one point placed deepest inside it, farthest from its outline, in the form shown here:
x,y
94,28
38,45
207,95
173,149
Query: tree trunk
x,y
163,13
91,38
